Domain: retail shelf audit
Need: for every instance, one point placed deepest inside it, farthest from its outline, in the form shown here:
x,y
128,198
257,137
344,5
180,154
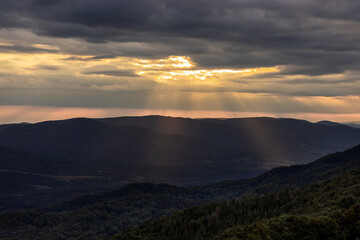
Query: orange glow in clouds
x,y
31,114
177,69
171,70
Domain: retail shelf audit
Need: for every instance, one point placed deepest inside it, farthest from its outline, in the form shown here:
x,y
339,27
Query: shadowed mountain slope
x,y
79,156
274,141
102,215
275,179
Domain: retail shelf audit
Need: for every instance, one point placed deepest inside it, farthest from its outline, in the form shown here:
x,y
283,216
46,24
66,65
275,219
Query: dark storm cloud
x,y
85,59
113,73
49,67
318,36
25,49
322,81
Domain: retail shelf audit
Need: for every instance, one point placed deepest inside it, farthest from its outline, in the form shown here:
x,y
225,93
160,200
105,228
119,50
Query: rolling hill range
x,y
4,126
102,215
58,160
277,141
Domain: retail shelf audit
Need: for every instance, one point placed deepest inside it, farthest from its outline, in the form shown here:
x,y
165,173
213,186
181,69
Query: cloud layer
x,y
90,48
246,33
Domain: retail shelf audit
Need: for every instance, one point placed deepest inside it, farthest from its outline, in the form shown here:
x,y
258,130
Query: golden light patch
x,y
172,62
28,64
45,46
6,44
180,69
10,114
173,70
204,76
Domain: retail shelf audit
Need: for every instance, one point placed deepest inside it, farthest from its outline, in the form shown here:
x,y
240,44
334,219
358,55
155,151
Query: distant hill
x,y
102,215
274,141
72,157
329,123
4,126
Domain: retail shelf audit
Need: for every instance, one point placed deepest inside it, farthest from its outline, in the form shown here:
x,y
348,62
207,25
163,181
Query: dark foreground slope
x,y
103,215
326,210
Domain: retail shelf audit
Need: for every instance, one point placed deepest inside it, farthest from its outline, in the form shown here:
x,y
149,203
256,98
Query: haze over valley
x,y
60,160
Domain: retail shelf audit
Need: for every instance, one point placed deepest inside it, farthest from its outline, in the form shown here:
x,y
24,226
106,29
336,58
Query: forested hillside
x,y
103,215
327,210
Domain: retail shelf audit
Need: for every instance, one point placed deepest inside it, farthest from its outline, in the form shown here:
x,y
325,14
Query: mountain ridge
x,y
97,155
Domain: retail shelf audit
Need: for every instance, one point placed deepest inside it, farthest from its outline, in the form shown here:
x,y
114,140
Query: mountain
x,y
130,153
273,141
329,123
102,215
69,158
275,179
4,126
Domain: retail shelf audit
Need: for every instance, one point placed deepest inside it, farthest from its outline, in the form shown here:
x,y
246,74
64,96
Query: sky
x,y
200,58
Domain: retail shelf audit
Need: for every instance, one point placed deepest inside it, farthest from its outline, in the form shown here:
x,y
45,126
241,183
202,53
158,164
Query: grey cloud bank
x,y
245,33
314,43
